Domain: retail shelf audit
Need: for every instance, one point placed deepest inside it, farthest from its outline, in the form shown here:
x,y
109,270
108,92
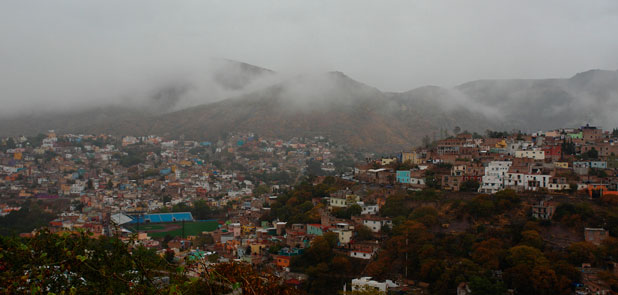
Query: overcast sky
x,y
56,53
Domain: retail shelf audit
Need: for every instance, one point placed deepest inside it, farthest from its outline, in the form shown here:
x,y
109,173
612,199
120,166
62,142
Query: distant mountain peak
x,y
236,75
338,74
244,65
595,81
594,73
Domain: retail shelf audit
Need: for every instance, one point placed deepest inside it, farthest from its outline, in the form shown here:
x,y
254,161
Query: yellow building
x,y
412,157
561,164
388,161
248,229
256,248
24,194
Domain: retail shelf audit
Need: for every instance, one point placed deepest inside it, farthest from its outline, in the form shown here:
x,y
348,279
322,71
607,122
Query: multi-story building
x,y
536,154
544,210
495,176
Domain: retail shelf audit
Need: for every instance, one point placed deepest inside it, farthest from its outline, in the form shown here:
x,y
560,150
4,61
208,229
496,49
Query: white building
x,y
77,188
417,181
337,202
344,233
515,179
494,179
558,186
168,144
536,181
527,181
369,209
376,224
361,254
9,169
364,282
512,147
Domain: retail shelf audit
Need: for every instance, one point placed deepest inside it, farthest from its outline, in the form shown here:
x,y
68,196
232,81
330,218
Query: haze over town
x,y
292,147
71,54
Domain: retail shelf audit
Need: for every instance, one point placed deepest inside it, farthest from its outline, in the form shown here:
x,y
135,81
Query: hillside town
x,y
567,159
278,204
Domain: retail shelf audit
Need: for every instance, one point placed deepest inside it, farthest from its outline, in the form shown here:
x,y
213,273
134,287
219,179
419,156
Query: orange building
x,y
283,261
599,190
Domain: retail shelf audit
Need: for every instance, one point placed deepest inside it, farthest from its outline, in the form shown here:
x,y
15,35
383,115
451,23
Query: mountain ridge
x,y
351,112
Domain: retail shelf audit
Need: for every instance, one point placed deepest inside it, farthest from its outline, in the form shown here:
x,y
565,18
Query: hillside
x,y
350,112
343,109
533,105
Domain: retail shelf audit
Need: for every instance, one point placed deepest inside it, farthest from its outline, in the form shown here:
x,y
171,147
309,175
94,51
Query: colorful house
x,y
283,261
412,157
403,176
590,164
561,164
579,135
290,251
553,151
599,190
316,229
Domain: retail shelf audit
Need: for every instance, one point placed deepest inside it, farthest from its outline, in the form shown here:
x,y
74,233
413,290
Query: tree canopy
x,y
77,263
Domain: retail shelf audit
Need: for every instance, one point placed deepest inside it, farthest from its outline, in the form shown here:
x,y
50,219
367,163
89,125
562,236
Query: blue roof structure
x,y
163,217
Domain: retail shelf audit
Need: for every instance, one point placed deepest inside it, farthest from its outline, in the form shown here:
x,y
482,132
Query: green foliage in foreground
x,y
30,216
76,263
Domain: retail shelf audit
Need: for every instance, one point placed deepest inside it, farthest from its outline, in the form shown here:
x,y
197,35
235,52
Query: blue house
x,y
316,229
291,251
403,176
598,164
590,164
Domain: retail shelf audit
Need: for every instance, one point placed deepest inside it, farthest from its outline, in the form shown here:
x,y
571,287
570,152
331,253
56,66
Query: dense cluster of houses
x,y
581,159
106,183
101,174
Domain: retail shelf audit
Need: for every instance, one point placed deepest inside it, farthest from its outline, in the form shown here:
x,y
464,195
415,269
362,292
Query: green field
x,y
147,227
191,228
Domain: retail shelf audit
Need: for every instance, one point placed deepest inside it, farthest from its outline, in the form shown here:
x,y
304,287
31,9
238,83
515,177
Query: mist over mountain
x,y
350,112
588,97
219,79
